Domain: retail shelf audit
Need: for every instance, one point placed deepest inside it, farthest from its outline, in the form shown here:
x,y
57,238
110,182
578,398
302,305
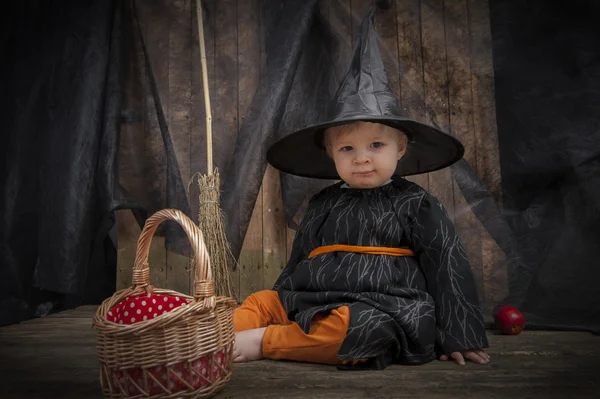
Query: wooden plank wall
x,y
438,57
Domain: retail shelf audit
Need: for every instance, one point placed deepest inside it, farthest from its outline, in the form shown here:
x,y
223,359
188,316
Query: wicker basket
x,y
182,351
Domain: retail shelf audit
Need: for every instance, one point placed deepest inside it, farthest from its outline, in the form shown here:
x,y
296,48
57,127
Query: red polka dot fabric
x,y
143,307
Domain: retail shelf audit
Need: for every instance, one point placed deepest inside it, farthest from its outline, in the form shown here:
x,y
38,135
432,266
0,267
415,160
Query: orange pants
x,y
285,339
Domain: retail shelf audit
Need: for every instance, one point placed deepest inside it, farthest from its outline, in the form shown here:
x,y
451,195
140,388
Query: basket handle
x,y
203,284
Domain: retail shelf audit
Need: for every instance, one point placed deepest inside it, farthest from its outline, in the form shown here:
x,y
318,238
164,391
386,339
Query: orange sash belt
x,y
365,250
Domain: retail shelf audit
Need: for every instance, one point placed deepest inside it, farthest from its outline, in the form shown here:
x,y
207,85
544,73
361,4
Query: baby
x,y
377,273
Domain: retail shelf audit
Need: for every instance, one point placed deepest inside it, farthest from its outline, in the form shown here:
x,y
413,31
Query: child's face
x,y
365,154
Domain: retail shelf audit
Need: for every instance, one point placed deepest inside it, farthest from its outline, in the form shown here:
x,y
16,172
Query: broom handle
x,y
209,154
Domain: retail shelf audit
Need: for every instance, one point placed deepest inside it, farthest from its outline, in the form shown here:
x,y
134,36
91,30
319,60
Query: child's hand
x,y
477,355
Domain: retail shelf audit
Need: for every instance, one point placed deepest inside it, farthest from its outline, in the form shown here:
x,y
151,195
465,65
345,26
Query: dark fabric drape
x,y
61,93
547,72
292,94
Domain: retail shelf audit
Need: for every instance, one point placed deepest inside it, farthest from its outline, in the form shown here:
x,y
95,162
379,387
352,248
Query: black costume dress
x,y
402,309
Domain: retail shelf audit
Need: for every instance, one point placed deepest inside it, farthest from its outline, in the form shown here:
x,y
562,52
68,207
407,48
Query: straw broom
x,y
210,215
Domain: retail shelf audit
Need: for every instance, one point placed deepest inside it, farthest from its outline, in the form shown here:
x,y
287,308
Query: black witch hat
x,y
365,95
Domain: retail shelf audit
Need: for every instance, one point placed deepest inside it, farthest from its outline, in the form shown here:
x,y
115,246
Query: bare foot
x,y
248,345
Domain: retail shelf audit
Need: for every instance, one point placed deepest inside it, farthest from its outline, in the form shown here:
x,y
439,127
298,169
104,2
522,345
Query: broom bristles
x,y
212,225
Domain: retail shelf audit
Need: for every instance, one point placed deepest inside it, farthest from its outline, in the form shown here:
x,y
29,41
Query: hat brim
x,y
429,149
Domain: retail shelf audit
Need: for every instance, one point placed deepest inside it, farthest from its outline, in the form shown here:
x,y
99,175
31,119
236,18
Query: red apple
x,y
509,321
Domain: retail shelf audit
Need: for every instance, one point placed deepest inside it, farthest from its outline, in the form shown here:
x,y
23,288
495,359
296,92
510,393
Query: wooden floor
x,y
54,357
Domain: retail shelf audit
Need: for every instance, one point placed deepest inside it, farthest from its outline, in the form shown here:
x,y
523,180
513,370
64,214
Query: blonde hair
x,y
336,131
